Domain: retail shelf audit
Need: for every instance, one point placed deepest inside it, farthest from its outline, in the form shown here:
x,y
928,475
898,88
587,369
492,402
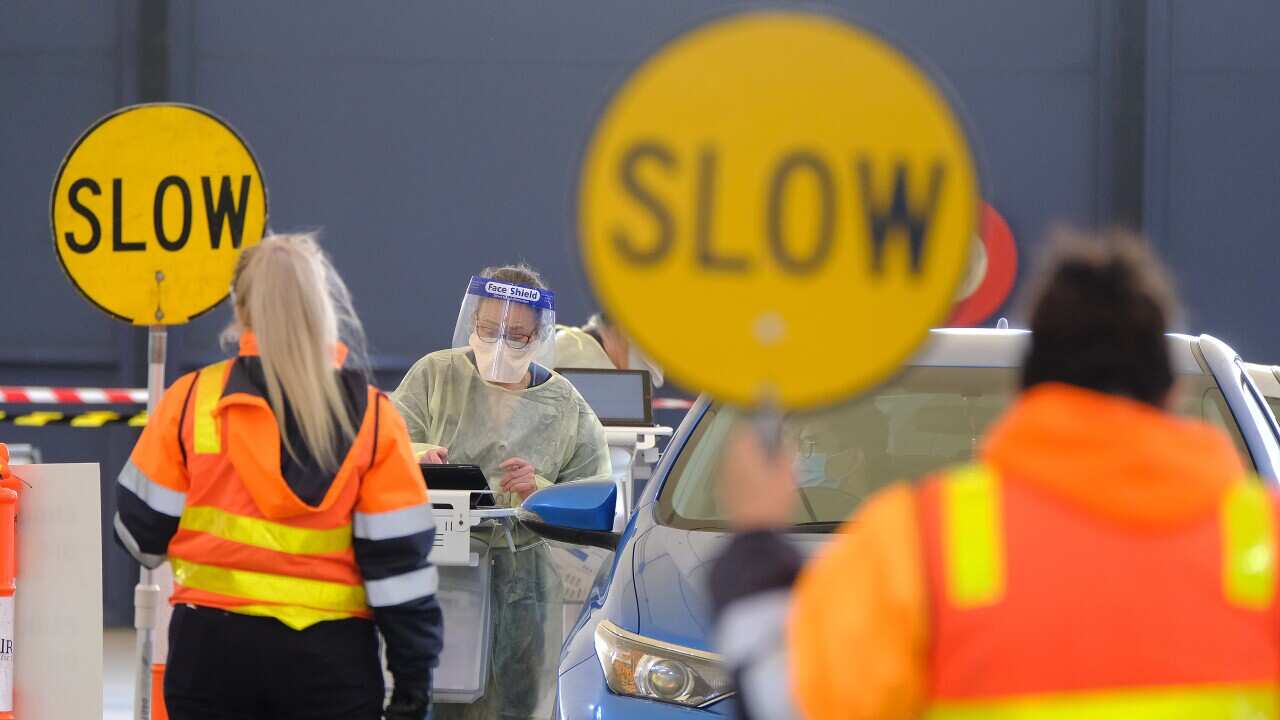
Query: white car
x,y
1267,379
1214,384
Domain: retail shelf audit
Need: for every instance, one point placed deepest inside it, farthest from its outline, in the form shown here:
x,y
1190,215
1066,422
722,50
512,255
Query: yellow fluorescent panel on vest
x,y
1248,546
265,534
267,588
207,429
973,537
1212,702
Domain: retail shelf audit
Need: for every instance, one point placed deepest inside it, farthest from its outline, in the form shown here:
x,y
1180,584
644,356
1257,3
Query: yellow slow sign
x,y
777,206
151,209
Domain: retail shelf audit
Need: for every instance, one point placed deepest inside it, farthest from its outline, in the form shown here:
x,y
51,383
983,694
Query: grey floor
x,y
118,648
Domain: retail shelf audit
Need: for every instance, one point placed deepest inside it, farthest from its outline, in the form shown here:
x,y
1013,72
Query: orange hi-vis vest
x,y
244,541
1038,610
1100,559
300,571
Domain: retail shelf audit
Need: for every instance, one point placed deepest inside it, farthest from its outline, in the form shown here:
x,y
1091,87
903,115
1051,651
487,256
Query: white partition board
x,y
58,638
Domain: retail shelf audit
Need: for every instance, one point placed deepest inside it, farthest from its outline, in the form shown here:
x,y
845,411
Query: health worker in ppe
x,y
602,346
491,401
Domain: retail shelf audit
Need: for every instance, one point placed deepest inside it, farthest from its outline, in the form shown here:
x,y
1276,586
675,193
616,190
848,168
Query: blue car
x,y
642,646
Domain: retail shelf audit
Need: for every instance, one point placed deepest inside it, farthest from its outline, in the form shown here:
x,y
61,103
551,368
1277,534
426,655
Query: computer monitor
x,y
620,398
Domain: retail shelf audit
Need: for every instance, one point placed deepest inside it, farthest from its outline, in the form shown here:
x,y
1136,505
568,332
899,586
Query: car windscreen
x,y
1274,404
924,420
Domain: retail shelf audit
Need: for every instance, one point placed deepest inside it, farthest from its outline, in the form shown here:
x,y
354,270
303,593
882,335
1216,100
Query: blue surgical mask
x,y
811,469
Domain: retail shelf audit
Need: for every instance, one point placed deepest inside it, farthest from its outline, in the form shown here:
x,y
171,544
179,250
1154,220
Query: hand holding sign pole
x,y
777,206
150,211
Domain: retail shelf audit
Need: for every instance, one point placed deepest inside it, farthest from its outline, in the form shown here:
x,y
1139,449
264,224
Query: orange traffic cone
x,y
158,710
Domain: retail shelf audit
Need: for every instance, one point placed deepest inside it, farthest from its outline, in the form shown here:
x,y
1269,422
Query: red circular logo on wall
x,y
993,267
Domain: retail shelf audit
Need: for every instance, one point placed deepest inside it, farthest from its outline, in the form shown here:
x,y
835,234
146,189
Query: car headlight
x,y
646,668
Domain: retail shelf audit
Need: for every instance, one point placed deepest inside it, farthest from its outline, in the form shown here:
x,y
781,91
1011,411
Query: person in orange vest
x,y
281,487
1101,558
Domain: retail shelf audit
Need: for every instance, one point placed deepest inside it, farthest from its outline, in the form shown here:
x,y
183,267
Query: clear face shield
x,y
508,327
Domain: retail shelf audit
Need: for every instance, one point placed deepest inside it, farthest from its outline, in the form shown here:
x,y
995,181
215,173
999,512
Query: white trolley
x,y
465,567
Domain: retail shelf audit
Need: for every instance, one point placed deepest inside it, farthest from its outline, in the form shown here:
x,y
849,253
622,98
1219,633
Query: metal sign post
x,y
146,596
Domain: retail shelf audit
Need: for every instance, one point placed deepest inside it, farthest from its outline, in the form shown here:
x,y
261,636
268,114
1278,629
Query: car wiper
x,y
819,526
709,528
809,526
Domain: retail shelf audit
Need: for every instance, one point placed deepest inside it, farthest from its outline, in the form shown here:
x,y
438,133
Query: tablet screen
x,y
454,477
618,397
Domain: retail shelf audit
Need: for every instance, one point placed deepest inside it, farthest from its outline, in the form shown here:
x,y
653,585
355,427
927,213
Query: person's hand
x,y
407,707
518,477
757,490
435,456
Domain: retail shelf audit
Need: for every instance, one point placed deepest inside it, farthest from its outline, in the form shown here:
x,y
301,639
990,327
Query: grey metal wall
x,y
1213,163
430,139
439,138
61,65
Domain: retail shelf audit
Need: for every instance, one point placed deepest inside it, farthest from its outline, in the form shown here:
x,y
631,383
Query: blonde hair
x,y
288,294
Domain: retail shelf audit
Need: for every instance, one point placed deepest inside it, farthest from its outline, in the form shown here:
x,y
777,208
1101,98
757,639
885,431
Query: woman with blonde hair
x,y
283,490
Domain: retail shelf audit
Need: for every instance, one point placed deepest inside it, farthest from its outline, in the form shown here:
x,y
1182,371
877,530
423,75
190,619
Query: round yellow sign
x,y
777,206
151,209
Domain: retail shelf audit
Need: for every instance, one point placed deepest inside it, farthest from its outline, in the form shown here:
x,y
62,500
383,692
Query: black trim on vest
x,y
182,418
377,429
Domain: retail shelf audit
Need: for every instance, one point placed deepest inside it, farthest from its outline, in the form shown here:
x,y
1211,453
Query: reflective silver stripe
x,y
401,589
396,523
156,496
131,544
751,634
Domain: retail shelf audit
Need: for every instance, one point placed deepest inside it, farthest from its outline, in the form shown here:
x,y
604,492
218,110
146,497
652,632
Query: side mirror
x,y
578,512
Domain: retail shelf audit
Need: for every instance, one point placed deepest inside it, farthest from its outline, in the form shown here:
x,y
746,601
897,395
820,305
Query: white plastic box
x,y
466,572
464,598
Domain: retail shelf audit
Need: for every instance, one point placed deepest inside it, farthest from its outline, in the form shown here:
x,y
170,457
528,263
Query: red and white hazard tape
x,y
671,404
11,395
72,396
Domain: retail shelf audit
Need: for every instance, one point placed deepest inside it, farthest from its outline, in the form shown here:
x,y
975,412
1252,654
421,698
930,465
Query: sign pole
x,y
146,596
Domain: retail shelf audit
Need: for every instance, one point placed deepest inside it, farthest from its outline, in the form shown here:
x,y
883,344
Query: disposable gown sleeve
x,y
589,455
412,400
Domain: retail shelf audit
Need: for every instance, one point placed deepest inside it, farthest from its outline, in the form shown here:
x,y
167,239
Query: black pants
x,y
224,666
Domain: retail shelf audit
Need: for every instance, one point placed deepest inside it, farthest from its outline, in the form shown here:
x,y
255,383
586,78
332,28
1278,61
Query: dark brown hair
x,y
518,274
1099,310
524,274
